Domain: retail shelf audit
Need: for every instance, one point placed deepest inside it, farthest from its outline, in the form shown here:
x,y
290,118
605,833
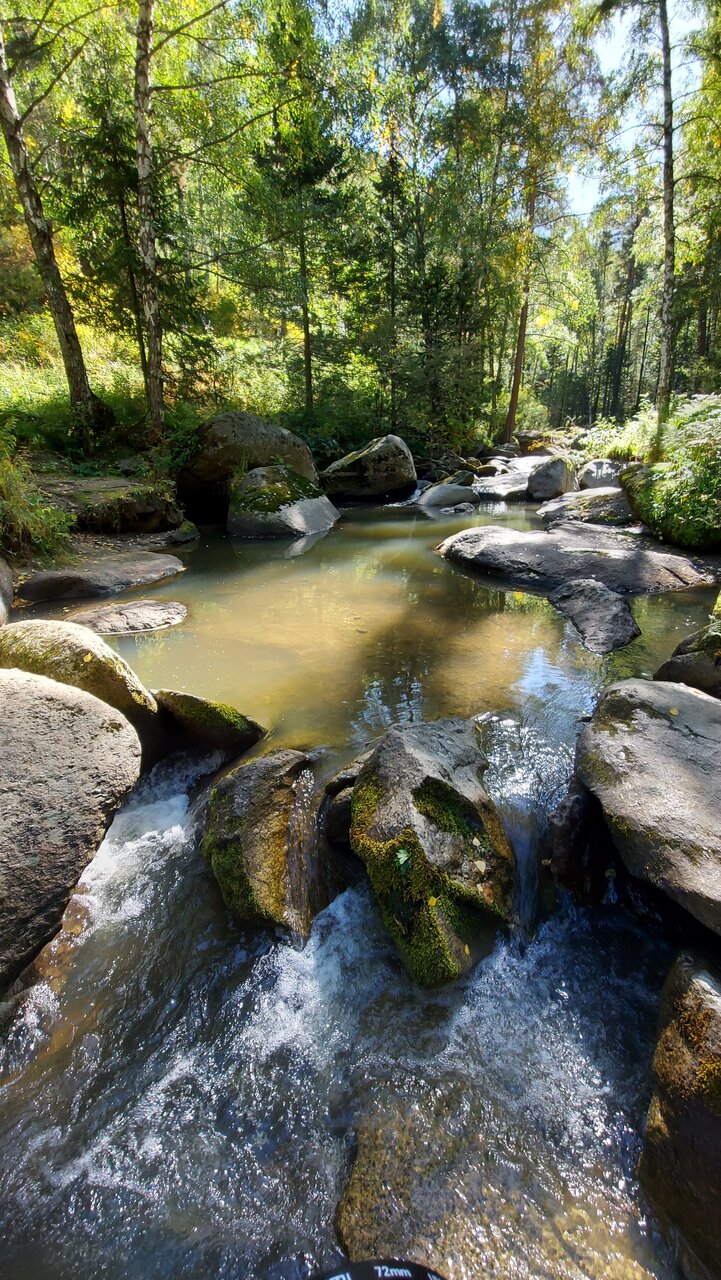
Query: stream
x,y
179,1097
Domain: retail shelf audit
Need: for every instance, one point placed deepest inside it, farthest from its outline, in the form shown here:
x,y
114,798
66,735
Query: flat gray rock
x,y
104,576
131,617
589,506
68,760
6,591
651,755
543,561
602,618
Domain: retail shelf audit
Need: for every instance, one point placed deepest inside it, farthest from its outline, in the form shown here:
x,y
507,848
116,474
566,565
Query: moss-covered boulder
x,y
680,500
250,841
192,723
6,591
74,655
651,755
382,468
275,502
438,859
681,1159
589,506
696,661
111,504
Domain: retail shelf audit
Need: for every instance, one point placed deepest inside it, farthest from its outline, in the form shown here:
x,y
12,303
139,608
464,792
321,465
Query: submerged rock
x,y
67,762
696,661
438,859
191,723
589,506
249,841
681,1160
7,591
75,655
544,561
554,476
600,473
603,620
275,502
131,617
651,755
382,467
106,576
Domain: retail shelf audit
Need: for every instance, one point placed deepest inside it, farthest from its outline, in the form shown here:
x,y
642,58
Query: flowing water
x,y
179,1097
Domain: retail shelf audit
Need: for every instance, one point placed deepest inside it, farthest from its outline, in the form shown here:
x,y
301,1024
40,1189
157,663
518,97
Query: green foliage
x,y
29,526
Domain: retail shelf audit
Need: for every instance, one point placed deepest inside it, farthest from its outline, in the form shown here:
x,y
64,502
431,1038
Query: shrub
x,y
29,525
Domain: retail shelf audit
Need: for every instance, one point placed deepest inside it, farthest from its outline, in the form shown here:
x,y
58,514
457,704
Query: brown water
x,y
178,1097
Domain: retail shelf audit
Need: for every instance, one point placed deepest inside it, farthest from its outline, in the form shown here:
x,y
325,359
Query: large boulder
x,y
554,476
275,502
67,762
131,617
512,487
696,661
74,655
544,561
602,618
103,576
651,754
249,841
230,441
600,473
7,591
108,504
680,500
589,506
191,723
681,1160
382,468
438,859
447,493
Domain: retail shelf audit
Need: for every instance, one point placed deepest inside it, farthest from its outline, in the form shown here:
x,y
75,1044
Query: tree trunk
x,y
642,366
146,216
523,320
664,384
305,307
85,405
134,295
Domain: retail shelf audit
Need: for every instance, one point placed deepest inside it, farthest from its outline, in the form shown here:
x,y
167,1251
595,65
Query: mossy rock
x,y
437,857
382,467
248,841
277,502
680,500
190,722
681,1159
108,504
74,655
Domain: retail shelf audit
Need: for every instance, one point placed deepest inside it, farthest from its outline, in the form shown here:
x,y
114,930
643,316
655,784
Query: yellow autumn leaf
x,y
674,711
88,657
432,902
467,949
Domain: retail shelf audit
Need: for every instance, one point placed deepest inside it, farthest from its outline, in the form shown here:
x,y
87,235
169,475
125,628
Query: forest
x,y
354,218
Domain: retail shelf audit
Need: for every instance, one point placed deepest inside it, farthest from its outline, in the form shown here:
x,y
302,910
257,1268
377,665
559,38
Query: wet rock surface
x,y
383,467
544,561
681,1160
651,755
68,760
131,617
603,619
192,723
438,858
99,576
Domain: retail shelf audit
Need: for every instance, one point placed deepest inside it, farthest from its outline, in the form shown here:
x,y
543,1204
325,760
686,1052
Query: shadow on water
x,y
178,1096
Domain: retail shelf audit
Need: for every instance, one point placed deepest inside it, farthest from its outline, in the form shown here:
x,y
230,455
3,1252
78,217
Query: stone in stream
x,y
74,655
131,617
67,762
252,841
600,473
602,618
7,591
191,723
696,661
275,502
651,755
447,493
104,576
680,1164
589,506
554,476
512,487
437,856
232,440
625,562
382,467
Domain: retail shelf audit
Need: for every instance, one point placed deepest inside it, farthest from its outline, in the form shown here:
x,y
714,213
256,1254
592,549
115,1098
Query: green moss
x,y
281,488
250,898
699,1026
679,500
210,722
